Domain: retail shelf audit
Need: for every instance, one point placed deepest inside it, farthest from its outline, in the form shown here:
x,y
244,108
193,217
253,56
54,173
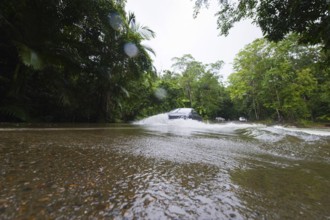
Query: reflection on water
x,y
299,191
161,169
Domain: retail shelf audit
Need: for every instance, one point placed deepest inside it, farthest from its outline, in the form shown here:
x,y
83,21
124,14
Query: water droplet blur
x,y
34,58
115,21
131,49
160,93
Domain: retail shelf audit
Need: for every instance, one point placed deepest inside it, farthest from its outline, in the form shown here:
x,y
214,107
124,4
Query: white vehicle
x,y
184,113
220,119
242,119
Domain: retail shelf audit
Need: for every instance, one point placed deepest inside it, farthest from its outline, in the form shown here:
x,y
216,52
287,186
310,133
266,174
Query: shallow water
x,y
160,169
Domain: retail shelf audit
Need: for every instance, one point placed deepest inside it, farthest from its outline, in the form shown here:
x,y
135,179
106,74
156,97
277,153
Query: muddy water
x,y
159,169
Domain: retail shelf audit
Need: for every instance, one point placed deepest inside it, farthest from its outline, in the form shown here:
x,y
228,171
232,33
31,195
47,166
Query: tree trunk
x,y
279,117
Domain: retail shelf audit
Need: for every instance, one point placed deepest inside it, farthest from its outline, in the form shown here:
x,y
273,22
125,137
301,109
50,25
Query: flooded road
x,y
160,169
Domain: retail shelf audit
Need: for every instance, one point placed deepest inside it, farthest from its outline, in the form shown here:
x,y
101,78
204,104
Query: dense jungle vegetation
x,y
84,61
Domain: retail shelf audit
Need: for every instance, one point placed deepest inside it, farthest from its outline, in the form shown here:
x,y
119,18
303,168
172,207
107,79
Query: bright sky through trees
x,y
178,33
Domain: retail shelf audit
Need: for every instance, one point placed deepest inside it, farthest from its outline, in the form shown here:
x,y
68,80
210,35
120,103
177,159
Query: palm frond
x,y
149,49
144,31
131,18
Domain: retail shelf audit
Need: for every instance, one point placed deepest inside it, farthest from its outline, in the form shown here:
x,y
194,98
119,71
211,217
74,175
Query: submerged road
x,y
159,169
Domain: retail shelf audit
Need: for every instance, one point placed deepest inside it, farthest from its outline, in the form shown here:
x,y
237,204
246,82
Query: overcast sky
x,y
178,33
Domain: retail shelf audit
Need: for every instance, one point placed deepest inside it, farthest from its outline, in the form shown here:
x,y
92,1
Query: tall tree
x,y
90,47
245,83
191,72
277,18
201,85
277,79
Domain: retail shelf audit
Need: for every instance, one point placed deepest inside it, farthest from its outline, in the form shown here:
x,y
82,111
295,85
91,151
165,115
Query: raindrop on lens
x,y
160,93
115,21
131,49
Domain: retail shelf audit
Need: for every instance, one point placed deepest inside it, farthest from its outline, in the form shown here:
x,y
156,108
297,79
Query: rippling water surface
x,y
160,169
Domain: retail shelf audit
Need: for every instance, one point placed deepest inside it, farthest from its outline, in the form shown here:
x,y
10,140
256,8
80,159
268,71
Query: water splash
x,y
159,119
260,132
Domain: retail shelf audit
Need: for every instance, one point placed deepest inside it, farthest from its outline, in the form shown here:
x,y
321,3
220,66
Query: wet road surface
x,y
165,170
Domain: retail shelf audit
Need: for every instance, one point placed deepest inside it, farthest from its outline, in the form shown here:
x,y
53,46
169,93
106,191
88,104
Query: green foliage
x,y
70,60
277,18
279,80
15,113
84,61
193,84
